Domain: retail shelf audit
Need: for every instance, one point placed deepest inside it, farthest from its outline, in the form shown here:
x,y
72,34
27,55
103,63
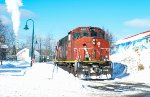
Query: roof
x,y
134,37
27,50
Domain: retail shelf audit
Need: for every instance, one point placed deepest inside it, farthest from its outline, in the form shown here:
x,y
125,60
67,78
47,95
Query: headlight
x,y
106,56
94,41
98,44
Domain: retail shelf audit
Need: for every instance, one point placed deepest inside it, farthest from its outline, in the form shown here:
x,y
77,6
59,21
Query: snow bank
x,y
38,82
134,53
129,72
132,61
58,78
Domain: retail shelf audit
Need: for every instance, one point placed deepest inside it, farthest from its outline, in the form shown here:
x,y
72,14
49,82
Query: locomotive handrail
x,y
72,61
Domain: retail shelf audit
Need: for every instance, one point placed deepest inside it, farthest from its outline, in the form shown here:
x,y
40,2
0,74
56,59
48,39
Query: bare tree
x,y
21,45
110,37
2,32
26,43
7,37
47,44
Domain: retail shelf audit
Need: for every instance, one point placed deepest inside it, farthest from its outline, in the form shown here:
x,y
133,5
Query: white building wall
x,y
24,55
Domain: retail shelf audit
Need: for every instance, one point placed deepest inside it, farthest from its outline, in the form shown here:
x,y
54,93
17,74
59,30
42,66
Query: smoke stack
x,y
13,9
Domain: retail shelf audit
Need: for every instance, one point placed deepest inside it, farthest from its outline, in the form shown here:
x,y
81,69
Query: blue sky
x,y
57,17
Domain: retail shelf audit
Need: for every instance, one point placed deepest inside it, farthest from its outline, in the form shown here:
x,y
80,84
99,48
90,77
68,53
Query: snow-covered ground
x,y
36,81
18,79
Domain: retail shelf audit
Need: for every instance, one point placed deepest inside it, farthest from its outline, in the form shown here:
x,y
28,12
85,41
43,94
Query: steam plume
x,y
13,9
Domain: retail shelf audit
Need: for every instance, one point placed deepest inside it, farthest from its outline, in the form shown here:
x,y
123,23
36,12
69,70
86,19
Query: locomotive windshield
x,y
102,35
93,34
85,34
76,35
96,34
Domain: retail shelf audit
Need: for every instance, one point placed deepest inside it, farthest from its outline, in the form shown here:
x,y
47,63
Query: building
x,y
25,55
141,41
134,51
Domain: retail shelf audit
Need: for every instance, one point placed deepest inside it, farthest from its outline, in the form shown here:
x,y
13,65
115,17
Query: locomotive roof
x,y
78,29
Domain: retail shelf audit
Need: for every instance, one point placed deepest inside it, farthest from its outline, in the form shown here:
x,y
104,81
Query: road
x,y
113,88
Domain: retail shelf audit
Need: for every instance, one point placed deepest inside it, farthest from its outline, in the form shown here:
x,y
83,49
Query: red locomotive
x,y
85,52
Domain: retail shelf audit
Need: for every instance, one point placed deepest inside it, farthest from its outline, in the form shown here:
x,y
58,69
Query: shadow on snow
x,y
13,69
119,70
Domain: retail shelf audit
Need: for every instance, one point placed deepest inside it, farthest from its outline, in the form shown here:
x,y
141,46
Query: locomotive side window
x,y
85,34
102,35
76,35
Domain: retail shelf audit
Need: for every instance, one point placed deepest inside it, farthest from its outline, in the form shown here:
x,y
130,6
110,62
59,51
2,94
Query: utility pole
x,y
32,49
40,50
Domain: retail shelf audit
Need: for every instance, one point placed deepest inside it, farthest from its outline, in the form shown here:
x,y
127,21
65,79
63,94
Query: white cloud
x,y
140,23
5,20
26,13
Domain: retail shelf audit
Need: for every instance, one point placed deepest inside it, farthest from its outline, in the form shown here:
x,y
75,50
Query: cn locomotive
x,y
85,52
